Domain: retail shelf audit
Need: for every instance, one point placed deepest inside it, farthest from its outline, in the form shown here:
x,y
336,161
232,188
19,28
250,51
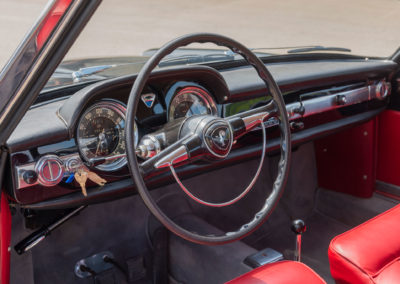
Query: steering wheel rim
x,y
285,143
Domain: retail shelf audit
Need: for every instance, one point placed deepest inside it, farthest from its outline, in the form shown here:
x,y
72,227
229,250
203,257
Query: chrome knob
x,y
341,100
50,170
382,90
148,147
72,164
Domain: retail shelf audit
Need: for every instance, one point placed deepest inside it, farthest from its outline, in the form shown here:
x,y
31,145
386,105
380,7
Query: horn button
x,y
218,138
215,133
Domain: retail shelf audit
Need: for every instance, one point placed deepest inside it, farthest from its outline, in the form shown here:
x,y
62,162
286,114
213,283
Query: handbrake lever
x,y
39,235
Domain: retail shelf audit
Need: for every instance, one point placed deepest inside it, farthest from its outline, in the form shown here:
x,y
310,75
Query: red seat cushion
x,y
283,272
370,252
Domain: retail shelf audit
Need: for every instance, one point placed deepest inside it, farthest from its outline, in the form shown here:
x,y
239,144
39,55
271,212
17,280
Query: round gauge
x,y
191,101
101,134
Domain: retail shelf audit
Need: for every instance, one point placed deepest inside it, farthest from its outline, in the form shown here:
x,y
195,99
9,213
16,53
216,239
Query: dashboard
x,y
87,128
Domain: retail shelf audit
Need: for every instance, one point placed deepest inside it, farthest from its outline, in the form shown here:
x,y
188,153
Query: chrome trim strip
x,y
330,102
327,103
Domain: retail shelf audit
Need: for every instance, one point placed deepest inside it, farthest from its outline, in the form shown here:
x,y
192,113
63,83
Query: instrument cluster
x,y
100,133
96,154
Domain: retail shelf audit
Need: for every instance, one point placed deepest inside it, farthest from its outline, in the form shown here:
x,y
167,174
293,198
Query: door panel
x,y
388,165
5,238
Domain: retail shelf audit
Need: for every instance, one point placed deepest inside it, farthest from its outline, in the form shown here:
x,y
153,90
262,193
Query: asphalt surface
x,y
122,27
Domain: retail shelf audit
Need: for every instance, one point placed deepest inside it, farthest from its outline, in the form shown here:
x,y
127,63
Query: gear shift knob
x,y
298,227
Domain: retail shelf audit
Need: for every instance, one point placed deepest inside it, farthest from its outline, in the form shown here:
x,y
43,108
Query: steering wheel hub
x,y
218,138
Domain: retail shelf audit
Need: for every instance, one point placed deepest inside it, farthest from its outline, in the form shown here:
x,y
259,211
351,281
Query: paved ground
x,y
128,27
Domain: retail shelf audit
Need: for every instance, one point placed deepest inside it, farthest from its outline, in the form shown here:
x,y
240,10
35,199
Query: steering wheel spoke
x,y
178,152
244,122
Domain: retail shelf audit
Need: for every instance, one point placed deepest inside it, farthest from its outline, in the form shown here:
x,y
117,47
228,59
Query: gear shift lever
x,y
298,227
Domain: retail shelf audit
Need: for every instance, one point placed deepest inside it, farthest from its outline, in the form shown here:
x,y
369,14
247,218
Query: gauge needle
x,y
99,143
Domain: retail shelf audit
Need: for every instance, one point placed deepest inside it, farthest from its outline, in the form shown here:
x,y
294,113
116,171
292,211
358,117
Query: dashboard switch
x,y
50,170
382,90
341,100
30,177
297,125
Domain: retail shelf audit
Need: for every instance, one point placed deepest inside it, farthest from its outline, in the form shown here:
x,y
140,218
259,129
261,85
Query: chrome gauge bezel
x,y
120,109
204,95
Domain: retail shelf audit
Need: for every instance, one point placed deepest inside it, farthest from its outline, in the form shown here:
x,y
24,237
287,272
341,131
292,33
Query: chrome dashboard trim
x,y
19,170
331,102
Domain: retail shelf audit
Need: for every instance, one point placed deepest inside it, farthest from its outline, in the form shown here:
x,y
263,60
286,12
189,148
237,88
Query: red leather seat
x,y
283,272
369,253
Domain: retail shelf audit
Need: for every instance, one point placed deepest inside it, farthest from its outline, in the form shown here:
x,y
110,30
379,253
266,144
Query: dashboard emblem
x,y
148,99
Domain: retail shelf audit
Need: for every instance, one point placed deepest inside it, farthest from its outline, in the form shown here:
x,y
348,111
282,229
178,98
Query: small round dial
x,y
191,101
101,134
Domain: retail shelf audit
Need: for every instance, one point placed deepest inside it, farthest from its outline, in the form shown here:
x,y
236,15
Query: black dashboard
x,y
87,128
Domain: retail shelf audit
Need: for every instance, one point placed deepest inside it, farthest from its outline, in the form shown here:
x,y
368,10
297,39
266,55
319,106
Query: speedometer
x,y
101,134
191,101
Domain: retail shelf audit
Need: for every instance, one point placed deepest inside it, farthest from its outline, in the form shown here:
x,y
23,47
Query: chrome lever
x,y
98,161
298,227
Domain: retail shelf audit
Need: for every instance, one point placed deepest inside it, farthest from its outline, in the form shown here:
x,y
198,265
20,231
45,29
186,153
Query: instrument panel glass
x,y
191,101
101,134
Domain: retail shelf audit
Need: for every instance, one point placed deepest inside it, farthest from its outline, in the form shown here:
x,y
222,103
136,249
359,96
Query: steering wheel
x,y
209,137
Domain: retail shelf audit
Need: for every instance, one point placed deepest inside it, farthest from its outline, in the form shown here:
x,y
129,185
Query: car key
x,y
96,178
81,177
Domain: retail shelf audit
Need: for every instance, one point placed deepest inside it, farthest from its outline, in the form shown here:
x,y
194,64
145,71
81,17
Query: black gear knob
x,y
298,226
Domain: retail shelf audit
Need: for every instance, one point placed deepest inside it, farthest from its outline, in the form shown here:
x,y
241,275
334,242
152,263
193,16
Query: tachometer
x,y
101,134
191,101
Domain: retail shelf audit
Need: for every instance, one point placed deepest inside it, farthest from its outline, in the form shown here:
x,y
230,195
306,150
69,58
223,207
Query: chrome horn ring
x,y
238,197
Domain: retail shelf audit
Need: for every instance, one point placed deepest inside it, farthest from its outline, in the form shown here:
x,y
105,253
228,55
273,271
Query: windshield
x,y
367,27
131,28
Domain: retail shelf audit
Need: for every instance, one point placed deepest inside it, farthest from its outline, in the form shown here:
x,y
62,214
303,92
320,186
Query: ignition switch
x,y
297,125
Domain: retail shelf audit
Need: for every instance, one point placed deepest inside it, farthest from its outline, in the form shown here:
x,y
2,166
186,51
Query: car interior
x,y
252,169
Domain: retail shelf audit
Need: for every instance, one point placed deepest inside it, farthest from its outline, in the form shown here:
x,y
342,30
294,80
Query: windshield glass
x,y
131,28
367,27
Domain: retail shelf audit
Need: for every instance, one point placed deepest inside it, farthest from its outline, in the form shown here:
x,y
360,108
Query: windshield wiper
x,y
195,59
318,48
88,71
305,48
